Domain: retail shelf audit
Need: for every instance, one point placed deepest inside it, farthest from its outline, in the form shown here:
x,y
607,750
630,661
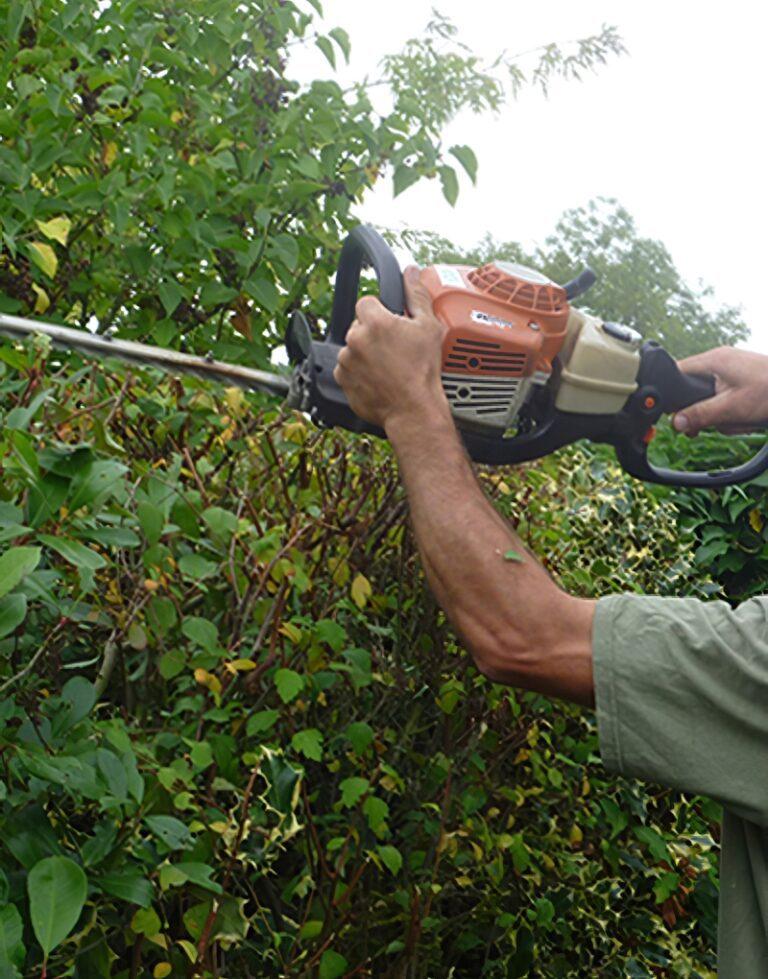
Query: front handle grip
x,y
363,243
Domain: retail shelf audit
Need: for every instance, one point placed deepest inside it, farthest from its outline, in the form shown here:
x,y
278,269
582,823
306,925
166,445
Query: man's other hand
x,y
740,404
390,366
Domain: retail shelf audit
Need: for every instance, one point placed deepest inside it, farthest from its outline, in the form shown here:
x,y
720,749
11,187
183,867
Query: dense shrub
x,y
238,724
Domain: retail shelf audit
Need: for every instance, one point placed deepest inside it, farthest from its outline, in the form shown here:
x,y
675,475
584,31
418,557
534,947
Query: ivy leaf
x,y
466,157
57,889
353,789
57,229
289,684
309,743
44,258
391,858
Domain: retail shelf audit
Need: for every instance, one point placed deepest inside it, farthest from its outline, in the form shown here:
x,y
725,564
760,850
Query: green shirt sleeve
x,y
681,689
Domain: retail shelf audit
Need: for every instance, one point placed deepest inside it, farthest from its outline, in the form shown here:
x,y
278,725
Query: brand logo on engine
x,y
480,317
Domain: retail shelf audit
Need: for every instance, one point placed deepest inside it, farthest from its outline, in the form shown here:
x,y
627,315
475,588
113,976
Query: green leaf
x,y
512,556
11,938
170,831
332,965
57,889
309,743
330,632
146,922
261,721
128,885
196,567
327,48
172,663
15,565
466,157
404,177
13,611
170,294
111,767
265,292
73,551
289,684
376,811
666,886
360,734
200,874
391,858
286,249
450,184
353,789
201,631
341,37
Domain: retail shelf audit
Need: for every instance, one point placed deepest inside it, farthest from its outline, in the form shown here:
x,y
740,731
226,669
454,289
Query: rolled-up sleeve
x,y
681,690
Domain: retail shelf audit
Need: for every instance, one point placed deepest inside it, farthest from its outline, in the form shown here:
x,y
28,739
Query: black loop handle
x,y
363,243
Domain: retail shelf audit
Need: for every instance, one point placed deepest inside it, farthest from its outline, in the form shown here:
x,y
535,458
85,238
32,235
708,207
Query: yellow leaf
x,y
108,154
176,116
206,679
291,631
235,401
576,835
42,302
756,520
340,573
360,590
44,257
56,228
189,948
161,970
238,665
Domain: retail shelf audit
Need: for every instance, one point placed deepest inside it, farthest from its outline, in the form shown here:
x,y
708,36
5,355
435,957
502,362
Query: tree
x,y
161,172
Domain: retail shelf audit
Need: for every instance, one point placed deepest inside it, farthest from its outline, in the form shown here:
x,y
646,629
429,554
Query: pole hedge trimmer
x,y
525,372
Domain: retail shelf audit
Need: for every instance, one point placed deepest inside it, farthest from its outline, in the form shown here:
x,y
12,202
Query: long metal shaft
x,y
94,345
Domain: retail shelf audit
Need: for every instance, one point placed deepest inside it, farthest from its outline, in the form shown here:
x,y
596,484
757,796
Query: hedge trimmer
x,y
525,372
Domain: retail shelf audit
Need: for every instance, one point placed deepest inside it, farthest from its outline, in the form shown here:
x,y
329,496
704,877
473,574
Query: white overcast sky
x,y
675,129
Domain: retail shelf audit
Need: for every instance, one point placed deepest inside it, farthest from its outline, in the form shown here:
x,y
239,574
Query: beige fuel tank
x,y
600,365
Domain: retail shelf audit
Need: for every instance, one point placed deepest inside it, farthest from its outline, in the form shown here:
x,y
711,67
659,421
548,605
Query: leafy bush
x,y
238,736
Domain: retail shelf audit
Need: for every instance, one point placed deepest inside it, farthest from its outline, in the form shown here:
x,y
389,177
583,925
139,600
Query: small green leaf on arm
x,y
513,556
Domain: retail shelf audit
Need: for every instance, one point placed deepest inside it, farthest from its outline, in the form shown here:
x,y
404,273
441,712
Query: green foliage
x,y
163,175
730,525
637,282
271,770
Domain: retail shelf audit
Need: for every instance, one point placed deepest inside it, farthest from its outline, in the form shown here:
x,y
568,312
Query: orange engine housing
x,y
505,325
502,319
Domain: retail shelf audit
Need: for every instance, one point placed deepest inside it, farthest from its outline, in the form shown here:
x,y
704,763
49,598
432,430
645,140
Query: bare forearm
x,y
520,628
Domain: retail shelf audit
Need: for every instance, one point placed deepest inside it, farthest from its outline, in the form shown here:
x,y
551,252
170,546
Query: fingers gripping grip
x,y
661,379
326,401
363,243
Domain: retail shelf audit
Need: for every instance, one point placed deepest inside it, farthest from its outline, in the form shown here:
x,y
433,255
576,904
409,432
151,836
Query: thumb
x,y
417,298
715,411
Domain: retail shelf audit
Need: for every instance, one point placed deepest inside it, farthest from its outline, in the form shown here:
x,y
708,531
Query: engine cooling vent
x,y
486,402
517,292
484,357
